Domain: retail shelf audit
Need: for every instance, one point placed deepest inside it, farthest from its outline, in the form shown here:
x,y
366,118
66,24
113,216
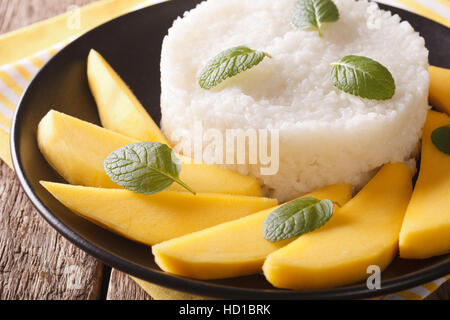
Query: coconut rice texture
x,y
326,136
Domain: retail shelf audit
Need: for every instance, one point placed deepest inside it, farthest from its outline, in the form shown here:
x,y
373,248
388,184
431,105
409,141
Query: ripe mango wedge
x,y
440,88
426,228
120,111
362,233
231,249
76,150
151,219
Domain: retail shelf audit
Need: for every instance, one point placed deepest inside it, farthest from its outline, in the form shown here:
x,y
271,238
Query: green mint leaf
x,y
146,167
312,14
441,139
296,218
363,77
229,63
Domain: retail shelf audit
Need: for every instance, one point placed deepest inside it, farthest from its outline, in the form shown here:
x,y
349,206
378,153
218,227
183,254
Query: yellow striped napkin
x,y
24,52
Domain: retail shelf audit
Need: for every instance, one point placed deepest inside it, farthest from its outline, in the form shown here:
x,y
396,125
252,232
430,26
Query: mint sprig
x,y
441,139
229,63
146,167
296,218
363,77
312,14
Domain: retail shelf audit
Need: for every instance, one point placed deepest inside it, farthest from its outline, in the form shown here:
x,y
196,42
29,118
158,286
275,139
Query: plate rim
x,y
193,286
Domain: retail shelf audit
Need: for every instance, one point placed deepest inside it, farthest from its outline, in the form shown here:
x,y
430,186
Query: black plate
x,y
132,44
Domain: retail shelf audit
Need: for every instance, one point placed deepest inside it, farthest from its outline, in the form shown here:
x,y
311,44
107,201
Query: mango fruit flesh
x,y
426,228
362,233
119,109
231,249
76,150
151,219
440,88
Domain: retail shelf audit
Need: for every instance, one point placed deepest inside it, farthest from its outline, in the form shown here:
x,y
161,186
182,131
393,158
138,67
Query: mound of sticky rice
x,y
326,136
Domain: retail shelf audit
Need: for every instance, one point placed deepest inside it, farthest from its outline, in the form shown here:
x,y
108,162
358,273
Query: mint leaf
x,y
441,139
229,63
296,218
363,77
146,167
312,14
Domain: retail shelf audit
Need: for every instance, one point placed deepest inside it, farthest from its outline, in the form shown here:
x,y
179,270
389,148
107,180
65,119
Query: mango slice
x,y
440,88
76,150
231,249
362,233
120,111
426,228
151,219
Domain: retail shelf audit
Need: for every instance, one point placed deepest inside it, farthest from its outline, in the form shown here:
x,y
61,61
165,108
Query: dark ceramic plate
x,y
132,44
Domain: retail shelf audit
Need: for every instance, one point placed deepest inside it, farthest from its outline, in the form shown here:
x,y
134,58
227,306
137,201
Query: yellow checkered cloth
x,y
39,42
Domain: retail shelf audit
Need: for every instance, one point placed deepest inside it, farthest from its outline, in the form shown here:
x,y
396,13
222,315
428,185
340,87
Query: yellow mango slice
x,y
231,249
76,150
440,88
151,219
120,111
426,228
362,233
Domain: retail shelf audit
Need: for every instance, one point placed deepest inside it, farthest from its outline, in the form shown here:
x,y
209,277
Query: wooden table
x,y
35,261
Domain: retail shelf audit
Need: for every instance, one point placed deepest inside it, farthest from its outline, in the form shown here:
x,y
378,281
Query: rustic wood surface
x,y
15,14
36,262
122,287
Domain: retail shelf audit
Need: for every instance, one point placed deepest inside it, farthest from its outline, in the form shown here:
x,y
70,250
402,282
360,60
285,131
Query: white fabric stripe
x,y
45,56
421,291
437,7
15,75
58,46
8,93
30,67
394,3
5,111
146,4
2,127
71,39
440,281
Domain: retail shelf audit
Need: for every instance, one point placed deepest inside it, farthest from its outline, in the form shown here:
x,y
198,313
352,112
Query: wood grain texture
x,y
36,262
122,287
15,14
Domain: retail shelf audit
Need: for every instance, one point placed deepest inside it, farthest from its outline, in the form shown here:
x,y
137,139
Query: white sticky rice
x,y
326,136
